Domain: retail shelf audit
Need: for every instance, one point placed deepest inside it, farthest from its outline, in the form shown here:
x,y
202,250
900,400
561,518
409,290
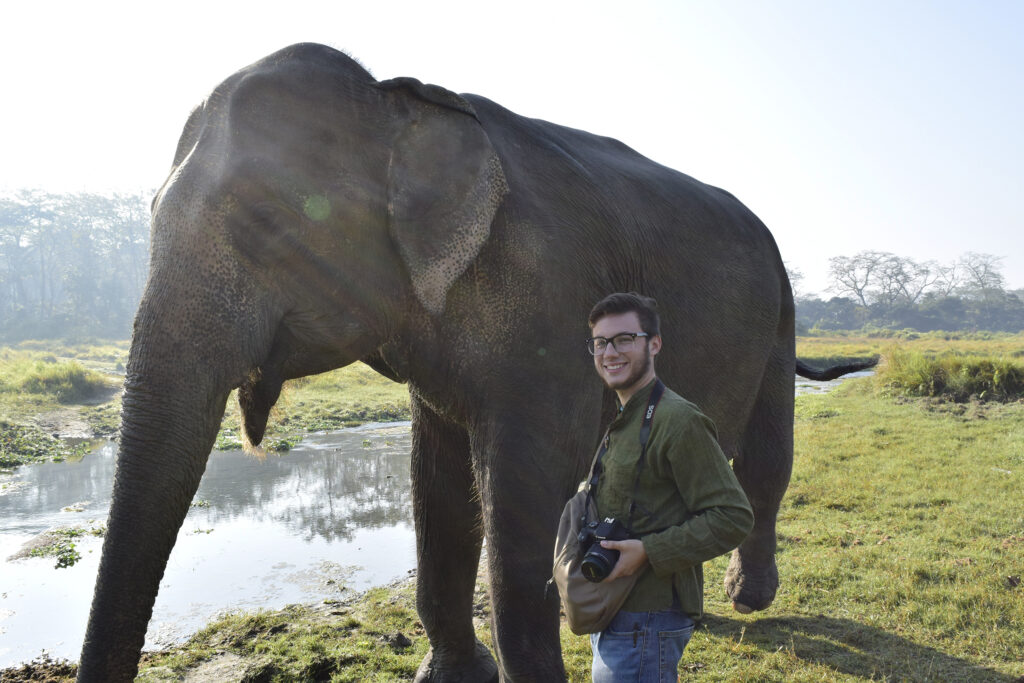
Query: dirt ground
x,y
70,423
41,669
64,423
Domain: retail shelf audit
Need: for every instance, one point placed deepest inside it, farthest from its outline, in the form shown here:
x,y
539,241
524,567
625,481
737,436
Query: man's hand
x,y
632,557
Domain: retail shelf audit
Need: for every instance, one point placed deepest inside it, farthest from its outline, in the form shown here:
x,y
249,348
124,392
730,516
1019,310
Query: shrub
x,y
67,381
951,376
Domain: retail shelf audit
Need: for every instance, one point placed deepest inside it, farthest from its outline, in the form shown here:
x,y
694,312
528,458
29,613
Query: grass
x,y
36,380
954,376
65,381
41,377
25,444
376,638
59,544
346,397
851,347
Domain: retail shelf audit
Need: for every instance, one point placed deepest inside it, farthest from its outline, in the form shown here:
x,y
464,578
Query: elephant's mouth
x,y
291,355
256,397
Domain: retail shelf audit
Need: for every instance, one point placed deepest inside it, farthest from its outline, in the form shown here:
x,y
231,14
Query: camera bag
x,y
589,607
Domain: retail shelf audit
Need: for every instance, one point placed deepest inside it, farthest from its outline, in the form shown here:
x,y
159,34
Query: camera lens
x,y
597,563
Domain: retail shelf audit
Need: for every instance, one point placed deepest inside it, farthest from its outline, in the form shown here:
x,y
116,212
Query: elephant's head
x,y
312,214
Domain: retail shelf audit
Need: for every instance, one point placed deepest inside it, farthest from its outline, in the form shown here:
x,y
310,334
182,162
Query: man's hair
x,y
645,308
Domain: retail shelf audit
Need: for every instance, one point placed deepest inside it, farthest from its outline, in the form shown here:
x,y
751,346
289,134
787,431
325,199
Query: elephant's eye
x,y
261,232
264,217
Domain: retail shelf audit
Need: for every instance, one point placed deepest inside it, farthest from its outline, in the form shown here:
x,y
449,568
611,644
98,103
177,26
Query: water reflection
x,y
326,497
810,386
332,515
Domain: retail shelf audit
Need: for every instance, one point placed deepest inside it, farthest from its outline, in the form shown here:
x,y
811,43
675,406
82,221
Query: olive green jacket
x,y
690,507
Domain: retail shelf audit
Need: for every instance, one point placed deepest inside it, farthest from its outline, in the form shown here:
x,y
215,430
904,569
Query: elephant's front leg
x,y
522,505
448,538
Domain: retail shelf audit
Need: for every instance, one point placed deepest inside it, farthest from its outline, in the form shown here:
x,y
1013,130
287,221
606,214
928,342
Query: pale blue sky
x,y
893,126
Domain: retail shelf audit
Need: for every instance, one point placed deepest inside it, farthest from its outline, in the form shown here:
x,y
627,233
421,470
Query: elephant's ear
x,y
445,183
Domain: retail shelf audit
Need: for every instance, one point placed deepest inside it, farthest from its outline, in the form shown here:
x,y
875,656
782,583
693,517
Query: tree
x,y
948,279
854,275
981,275
71,263
896,292
796,278
916,279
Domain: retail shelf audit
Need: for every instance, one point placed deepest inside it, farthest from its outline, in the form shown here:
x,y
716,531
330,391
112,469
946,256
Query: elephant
x,y
315,216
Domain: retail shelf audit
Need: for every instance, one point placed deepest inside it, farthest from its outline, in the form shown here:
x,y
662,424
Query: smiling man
x,y
678,498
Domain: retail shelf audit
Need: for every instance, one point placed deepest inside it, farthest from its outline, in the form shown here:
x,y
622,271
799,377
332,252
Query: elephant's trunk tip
x,y
250,448
256,397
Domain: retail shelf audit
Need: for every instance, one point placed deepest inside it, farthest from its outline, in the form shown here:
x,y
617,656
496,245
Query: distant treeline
x,y
71,265
74,265
877,289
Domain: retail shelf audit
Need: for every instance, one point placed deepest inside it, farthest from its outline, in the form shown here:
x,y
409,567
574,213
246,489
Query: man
x,y
689,507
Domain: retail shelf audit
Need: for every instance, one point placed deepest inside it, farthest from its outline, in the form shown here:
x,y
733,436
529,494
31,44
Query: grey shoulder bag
x,y
589,607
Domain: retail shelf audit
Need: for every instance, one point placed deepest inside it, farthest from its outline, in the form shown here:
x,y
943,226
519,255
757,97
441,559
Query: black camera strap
x,y
645,435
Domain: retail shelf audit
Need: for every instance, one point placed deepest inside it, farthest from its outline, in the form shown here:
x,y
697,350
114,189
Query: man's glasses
x,y
621,342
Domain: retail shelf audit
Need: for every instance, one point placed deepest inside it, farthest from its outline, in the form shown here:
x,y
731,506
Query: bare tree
x,y
796,278
857,274
917,279
948,279
891,276
981,274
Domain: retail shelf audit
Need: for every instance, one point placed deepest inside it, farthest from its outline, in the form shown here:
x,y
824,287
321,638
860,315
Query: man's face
x,y
625,371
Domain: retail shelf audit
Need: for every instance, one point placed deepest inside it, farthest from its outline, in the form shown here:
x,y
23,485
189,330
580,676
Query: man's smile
x,y
624,370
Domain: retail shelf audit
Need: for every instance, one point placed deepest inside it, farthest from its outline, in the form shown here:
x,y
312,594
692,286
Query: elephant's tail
x,y
826,374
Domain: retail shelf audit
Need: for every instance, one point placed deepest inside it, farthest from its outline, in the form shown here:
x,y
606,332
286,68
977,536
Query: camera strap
x,y
645,435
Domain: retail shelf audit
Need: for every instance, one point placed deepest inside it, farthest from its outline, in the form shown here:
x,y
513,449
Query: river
x,y
332,515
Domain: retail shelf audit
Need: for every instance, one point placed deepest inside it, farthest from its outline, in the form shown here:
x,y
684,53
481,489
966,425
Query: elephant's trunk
x,y
186,357
162,457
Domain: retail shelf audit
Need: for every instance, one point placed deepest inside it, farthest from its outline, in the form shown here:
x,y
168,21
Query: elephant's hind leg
x,y
763,466
446,509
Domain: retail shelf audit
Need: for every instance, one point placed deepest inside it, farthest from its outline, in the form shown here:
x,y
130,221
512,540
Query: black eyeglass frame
x,y
632,338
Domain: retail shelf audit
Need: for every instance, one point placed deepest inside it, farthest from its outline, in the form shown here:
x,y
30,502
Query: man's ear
x,y
654,343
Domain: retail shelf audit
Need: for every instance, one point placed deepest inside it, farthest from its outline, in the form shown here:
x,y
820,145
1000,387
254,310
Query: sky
x,y
845,126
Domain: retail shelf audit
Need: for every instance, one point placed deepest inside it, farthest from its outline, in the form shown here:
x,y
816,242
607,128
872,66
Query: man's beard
x,y
636,373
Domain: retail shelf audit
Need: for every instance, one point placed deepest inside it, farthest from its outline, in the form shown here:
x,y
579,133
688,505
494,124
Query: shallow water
x,y
809,386
333,515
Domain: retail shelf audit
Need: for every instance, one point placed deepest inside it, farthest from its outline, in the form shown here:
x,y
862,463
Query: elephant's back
x,y
604,180
590,195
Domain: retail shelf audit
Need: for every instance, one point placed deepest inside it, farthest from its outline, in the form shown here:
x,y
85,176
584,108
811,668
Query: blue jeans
x,y
641,646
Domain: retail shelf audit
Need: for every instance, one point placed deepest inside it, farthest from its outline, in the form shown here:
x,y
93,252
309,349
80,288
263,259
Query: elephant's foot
x,y
481,669
750,588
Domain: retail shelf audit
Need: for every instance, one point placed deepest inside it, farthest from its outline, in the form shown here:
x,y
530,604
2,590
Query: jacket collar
x,y
635,405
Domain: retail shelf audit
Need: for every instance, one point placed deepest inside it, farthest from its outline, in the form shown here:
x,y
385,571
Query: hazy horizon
x,y
844,127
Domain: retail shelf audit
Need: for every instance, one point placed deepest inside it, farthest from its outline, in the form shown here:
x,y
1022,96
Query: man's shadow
x,y
851,648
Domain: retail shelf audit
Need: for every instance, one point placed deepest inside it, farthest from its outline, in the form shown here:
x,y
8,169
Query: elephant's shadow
x,y
849,647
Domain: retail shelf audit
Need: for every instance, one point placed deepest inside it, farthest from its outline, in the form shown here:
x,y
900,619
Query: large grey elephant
x,y
315,217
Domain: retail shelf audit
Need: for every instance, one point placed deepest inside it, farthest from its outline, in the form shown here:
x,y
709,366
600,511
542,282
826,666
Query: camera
x,y
597,561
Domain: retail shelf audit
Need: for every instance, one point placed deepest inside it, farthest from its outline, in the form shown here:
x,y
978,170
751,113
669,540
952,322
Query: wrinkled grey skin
x,y
315,217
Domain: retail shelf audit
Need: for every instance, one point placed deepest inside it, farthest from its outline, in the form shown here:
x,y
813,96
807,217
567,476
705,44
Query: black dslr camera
x,y
597,561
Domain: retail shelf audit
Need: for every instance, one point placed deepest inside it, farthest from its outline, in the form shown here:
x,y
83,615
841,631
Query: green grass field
x,y
34,378
835,349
